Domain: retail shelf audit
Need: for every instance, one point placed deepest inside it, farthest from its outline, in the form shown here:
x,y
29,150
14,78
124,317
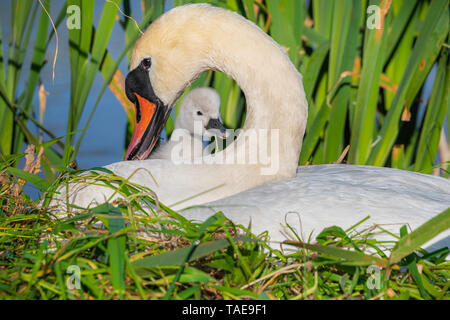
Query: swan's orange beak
x,y
144,111
151,115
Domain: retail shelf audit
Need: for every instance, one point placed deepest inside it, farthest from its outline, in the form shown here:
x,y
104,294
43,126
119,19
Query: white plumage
x,y
342,195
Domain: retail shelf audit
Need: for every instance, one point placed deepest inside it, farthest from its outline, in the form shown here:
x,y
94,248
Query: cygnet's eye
x,y
199,113
146,63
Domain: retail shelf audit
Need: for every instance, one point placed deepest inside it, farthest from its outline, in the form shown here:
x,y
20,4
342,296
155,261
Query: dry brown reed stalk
x,y
343,155
32,165
42,102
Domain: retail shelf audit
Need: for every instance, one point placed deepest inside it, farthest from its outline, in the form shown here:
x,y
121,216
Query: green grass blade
x,y
323,13
22,15
430,229
346,257
429,42
40,183
229,93
406,9
89,72
311,71
178,257
116,245
285,27
249,9
367,97
399,50
37,265
2,66
313,136
434,118
342,54
74,54
37,62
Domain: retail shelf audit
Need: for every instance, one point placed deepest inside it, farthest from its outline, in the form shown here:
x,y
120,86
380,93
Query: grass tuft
x,y
134,249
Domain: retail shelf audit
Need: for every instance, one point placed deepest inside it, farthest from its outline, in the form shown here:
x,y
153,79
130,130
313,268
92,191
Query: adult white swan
x,y
189,40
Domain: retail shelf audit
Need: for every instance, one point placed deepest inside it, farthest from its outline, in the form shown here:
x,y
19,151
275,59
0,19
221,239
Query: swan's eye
x,y
199,113
146,63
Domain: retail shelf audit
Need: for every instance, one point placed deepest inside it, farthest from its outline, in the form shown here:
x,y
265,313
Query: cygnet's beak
x,y
216,126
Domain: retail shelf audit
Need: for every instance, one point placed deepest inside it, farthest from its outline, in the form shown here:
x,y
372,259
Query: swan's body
x,y
199,117
326,195
189,40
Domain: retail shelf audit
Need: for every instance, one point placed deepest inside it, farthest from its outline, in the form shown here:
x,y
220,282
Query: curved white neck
x,y
273,87
191,39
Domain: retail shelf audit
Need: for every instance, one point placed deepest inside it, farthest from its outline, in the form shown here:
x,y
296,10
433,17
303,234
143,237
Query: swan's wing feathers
x,y
327,195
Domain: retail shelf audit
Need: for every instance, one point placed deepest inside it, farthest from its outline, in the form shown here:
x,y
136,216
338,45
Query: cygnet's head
x,y
202,106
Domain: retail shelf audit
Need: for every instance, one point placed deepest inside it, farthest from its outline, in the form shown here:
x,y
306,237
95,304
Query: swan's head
x,y
167,57
201,105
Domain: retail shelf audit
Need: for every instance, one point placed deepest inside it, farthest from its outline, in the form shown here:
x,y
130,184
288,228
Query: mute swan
x,y
200,107
191,39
